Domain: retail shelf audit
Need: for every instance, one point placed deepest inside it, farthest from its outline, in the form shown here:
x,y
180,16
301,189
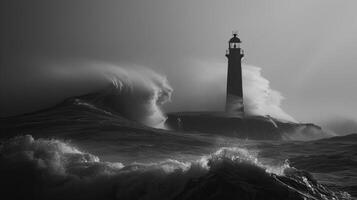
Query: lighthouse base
x,y
234,105
246,127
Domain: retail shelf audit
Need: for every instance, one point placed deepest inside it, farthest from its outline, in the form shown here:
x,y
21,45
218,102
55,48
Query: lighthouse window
x,y
234,45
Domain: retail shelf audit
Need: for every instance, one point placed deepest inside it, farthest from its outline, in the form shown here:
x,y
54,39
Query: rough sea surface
x,y
79,151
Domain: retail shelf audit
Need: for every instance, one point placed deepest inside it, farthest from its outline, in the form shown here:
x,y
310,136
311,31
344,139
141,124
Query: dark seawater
x,y
78,151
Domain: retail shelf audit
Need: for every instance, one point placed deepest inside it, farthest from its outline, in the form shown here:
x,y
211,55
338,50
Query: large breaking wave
x,y
53,169
134,92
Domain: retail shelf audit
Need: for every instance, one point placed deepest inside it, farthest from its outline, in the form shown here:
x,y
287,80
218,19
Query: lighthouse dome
x,y
234,39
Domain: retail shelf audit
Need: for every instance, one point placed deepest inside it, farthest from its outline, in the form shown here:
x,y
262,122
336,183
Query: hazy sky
x,y
307,49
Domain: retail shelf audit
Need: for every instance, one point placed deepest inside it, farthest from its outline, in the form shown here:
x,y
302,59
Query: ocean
x,y
76,150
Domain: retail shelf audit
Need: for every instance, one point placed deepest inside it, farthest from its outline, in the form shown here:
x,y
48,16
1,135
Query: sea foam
x,y
54,169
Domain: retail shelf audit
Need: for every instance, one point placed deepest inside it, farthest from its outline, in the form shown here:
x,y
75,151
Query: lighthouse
x,y
233,121
234,98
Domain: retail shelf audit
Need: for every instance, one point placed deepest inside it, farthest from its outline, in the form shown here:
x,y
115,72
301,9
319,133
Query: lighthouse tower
x,y
234,99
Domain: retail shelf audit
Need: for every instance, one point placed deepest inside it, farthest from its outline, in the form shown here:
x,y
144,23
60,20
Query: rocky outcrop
x,y
247,127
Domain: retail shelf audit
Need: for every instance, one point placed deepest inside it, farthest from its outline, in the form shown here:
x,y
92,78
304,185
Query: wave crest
x,y
136,94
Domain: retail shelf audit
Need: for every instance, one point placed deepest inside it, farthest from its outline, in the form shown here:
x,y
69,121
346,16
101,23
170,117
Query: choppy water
x,y
78,152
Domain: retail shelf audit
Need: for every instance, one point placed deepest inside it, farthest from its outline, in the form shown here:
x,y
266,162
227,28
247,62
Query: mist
x,y
340,125
200,86
203,88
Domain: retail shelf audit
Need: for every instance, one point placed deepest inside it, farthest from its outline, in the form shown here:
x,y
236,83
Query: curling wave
x,y
135,94
53,169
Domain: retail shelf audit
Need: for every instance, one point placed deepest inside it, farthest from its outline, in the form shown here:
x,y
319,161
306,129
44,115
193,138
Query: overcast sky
x,y
307,49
